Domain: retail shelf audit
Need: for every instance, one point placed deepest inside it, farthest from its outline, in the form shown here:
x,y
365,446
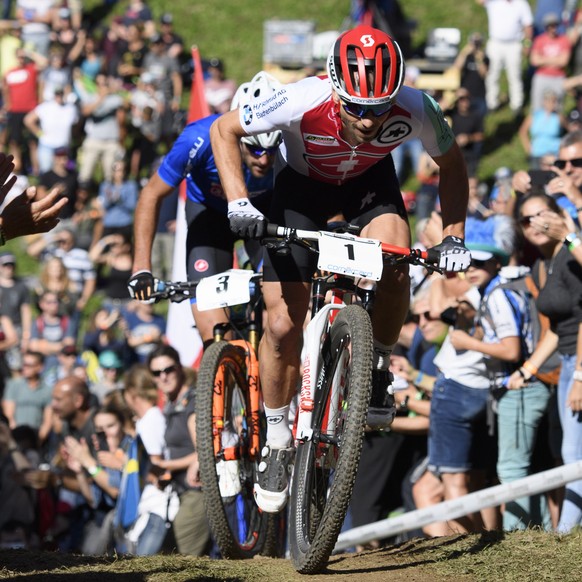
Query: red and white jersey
x,y
311,125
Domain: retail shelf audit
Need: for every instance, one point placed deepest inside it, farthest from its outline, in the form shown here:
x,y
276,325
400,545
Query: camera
x,y
449,316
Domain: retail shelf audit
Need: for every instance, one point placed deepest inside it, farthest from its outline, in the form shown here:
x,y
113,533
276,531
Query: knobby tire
x,y
323,481
223,376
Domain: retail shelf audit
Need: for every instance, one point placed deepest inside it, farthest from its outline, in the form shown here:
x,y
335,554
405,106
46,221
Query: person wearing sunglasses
x,y
209,242
559,278
181,459
564,182
338,134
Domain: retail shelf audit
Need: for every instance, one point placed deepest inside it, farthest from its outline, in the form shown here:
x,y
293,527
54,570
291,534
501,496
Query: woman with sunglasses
x,y
181,459
559,277
338,132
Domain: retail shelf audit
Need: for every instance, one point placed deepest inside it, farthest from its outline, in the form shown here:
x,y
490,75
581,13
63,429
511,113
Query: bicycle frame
x,y
254,408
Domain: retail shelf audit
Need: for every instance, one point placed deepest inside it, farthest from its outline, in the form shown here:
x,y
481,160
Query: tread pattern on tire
x,y
311,556
214,357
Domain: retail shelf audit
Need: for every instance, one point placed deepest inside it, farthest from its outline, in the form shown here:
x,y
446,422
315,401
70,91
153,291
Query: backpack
x,y
549,371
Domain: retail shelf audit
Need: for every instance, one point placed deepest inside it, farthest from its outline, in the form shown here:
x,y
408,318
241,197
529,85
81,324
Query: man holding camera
x,y
473,64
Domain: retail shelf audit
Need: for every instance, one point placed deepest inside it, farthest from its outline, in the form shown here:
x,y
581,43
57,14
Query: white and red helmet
x,y
365,66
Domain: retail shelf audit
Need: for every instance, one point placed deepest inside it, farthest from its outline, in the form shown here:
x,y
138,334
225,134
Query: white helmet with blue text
x,y
260,87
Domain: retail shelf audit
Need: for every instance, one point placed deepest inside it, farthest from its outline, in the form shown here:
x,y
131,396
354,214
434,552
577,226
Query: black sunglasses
x,y
525,220
357,110
258,152
561,164
168,370
427,316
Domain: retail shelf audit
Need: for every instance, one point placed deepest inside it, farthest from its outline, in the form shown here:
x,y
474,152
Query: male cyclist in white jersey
x,y
338,132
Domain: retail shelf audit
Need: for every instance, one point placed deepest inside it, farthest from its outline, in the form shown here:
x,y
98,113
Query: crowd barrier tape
x,y
454,508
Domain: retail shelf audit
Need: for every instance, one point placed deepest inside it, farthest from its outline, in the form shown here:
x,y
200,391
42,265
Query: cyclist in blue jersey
x,y
210,241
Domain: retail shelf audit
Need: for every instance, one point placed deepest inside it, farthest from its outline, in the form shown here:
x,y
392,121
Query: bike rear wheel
x,y
225,427
326,466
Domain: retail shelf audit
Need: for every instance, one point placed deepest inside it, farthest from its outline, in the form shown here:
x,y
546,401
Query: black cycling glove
x,y
246,220
454,255
141,285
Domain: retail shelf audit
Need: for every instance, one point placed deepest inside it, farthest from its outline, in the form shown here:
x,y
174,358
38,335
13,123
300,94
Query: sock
x,y
278,431
382,353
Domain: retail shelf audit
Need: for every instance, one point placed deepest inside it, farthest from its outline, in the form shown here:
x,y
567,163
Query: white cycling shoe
x,y
274,475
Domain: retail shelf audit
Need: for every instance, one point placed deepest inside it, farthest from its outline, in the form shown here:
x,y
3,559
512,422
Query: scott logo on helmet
x,y
367,40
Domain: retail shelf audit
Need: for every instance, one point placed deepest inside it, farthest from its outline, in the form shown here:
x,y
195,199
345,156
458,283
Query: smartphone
x,y
102,440
541,177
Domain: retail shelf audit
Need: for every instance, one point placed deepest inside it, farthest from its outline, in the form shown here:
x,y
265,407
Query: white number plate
x,y
349,255
224,289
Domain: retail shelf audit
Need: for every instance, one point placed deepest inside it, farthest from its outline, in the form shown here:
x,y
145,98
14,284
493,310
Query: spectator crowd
x,y
487,375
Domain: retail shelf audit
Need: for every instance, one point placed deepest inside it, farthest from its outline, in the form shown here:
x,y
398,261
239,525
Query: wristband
x,y
520,372
572,241
529,367
94,470
419,378
577,375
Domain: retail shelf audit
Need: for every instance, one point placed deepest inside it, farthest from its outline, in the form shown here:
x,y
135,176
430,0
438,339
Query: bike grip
x,y
272,229
433,256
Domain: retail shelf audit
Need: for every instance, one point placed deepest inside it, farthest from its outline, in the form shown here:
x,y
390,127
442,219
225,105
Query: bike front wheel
x,y
326,465
229,435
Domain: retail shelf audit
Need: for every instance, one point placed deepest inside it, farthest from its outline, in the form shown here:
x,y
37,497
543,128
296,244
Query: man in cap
x,y
550,55
173,42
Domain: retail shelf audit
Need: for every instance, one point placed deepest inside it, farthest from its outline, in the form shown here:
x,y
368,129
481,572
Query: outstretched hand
x,y
28,214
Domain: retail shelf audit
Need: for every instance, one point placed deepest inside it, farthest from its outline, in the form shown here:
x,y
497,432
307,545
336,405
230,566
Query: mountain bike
x,y
230,426
336,382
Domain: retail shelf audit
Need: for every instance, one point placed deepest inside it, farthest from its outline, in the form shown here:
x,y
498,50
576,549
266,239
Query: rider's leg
x,y
392,296
209,251
279,351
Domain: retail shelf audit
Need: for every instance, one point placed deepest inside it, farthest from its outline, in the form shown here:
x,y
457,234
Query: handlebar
x,y
178,291
429,258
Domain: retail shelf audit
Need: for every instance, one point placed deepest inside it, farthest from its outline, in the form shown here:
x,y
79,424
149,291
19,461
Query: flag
x,y
130,488
180,331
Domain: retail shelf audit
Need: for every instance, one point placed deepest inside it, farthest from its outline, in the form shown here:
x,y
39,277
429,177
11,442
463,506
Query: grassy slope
x,y
233,30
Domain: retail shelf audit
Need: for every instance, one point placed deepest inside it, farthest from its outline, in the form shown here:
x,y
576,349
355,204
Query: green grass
x,y
233,31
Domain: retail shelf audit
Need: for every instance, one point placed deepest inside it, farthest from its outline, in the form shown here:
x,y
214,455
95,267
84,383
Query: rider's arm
x,y
146,220
225,134
453,191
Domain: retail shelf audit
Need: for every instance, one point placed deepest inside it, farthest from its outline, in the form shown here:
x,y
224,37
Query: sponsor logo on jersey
x,y
247,114
194,149
395,132
326,140
266,108
201,265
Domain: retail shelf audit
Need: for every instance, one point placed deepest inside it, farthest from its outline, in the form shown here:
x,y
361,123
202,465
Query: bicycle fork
x,y
313,368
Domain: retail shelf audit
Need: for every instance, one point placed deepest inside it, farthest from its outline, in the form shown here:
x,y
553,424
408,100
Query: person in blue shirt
x,y
210,242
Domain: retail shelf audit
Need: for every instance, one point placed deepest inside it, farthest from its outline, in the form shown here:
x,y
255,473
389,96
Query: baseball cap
x,y
7,258
503,173
109,359
61,151
484,252
156,38
574,116
550,18
166,18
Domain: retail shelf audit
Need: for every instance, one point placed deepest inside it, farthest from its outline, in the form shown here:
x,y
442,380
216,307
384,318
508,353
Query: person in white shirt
x,y
510,36
52,121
